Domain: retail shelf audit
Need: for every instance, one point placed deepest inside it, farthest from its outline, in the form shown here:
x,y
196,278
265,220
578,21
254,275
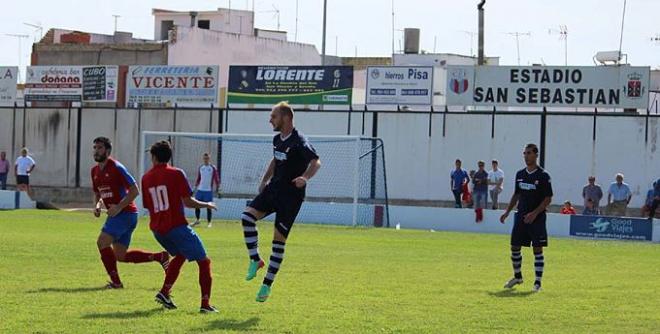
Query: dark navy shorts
x,y
285,205
525,234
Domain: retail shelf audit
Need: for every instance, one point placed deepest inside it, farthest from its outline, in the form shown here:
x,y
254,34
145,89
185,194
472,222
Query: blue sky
x,y
366,25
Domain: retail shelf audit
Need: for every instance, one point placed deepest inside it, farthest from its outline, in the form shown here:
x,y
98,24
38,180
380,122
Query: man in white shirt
x,y
22,168
496,181
208,180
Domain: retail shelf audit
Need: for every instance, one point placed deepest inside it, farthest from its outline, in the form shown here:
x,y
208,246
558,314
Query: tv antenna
x,y
19,37
276,14
38,28
563,36
472,35
517,35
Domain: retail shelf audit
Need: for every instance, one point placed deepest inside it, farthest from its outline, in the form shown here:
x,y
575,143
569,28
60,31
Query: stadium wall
x,y
418,165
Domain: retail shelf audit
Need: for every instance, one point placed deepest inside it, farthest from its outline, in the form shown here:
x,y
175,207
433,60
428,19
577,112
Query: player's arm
x,y
98,202
312,168
191,202
512,204
133,192
268,175
531,217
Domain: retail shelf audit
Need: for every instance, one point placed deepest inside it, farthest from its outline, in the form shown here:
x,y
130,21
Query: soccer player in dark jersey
x,y
282,191
166,191
533,194
116,188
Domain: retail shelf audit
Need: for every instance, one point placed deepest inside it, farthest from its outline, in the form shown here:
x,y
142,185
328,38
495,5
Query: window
x,y
165,27
204,24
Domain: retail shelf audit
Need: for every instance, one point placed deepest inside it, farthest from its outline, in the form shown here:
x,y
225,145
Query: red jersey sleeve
x,y
182,186
146,197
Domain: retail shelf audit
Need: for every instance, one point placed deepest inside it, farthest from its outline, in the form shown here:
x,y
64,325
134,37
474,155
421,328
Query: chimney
x,y
193,15
410,40
480,8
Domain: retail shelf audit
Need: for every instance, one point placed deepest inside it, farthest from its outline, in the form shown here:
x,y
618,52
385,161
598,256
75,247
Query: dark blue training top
x,y
292,156
532,188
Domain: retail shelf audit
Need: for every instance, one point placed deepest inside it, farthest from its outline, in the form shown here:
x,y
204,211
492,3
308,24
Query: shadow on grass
x,y
510,294
124,315
231,324
69,290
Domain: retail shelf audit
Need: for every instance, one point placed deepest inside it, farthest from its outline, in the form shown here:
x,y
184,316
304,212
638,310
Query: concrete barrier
x,y
11,200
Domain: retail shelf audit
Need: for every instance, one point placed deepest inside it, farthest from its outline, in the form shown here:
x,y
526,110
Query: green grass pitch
x,y
333,280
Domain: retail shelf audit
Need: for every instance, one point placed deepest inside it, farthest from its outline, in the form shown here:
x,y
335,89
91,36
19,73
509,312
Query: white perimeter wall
x,y
417,165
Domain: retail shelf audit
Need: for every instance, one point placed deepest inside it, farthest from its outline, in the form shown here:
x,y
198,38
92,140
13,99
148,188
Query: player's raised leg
x,y
276,258
251,235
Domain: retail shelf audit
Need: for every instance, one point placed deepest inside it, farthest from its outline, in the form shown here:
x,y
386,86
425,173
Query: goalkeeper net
x,y
349,189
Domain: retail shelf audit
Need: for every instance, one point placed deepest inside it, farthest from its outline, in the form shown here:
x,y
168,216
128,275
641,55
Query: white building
x,y
227,37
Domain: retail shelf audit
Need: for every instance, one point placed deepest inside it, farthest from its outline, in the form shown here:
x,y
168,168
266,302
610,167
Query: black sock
x,y
539,264
209,215
251,235
516,260
275,261
197,214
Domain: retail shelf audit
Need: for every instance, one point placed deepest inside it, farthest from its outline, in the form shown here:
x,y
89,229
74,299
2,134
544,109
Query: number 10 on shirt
x,y
159,197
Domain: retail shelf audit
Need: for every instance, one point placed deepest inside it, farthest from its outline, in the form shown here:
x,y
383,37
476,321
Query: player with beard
x,y
116,188
282,191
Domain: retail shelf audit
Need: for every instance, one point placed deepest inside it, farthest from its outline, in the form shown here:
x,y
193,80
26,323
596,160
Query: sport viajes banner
x,y
551,86
162,85
400,85
307,85
611,228
8,76
71,83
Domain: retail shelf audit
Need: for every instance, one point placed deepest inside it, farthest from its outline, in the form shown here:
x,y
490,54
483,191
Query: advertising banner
x,y
551,86
400,85
8,76
71,83
162,85
611,228
307,85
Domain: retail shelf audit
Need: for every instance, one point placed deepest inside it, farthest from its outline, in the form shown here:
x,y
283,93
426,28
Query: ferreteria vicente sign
x,y
611,228
552,86
185,86
399,85
307,85
71,83
8,77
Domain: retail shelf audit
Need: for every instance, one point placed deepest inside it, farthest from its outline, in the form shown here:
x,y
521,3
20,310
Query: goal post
x,y
349,189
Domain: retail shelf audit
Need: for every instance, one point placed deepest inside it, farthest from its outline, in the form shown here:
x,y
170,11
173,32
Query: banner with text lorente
x,y
309,85
8,76
551,86
163,85
400,85
71,83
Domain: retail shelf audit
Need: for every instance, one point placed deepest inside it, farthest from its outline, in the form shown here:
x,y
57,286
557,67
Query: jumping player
x,y
533,194
208,180
282,191
115,188
166,191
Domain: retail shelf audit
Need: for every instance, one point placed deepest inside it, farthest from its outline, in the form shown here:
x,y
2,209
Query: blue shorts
x,y
121,227
204,196
184,241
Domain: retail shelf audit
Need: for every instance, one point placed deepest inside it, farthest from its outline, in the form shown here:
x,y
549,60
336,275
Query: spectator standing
x,y
618,197
651,201
458,177
496,182
4,170
480,191
567,209
592,191
23,168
